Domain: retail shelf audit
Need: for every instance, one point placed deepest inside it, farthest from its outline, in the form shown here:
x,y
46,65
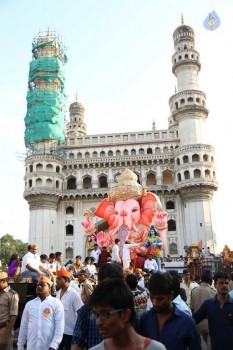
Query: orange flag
x,y
200,245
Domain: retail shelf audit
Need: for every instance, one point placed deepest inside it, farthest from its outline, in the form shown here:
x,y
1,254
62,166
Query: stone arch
x,y
69,253
39,167
141,151
71,183
110,153
186,175
171,225
103,181
167,177
195,157
151,179
205,157
49,182
173,248
170,205
157,150
39,182
207,174
69,230
149,150
133,152
185,159
87,182
197,173
69,210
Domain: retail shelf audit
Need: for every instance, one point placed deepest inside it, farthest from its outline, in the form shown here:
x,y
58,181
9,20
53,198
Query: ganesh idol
x,y
129,211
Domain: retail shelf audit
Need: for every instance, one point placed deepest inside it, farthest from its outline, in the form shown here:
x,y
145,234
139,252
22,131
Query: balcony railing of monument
x,y
139,137
119,158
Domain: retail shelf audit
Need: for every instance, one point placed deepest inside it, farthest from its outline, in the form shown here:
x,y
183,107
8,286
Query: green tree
x,y
8,246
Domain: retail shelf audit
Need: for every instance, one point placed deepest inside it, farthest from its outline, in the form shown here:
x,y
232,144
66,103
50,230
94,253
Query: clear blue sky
x,y
119,64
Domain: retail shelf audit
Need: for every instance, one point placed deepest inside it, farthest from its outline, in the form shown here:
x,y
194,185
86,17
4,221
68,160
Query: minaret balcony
x,y
186,62
187,99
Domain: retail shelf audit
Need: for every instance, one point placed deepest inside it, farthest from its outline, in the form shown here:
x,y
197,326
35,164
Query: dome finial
x,y
76,98
182,18
153,125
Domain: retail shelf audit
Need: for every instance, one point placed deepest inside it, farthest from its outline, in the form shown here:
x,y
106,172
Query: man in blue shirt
x,y
219,311
165,322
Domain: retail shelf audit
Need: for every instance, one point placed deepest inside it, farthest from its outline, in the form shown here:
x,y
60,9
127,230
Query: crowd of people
x,y
101,302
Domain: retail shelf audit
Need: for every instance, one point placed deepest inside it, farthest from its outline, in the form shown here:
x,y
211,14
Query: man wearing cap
x,y
72,302
31,264
85,285
42,323
198,296
9,300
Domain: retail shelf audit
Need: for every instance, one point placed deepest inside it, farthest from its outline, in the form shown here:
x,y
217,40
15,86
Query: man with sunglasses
x,y
113,309
86,333
42,323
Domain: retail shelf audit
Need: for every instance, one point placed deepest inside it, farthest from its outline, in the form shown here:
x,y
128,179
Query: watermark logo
x,y
212,21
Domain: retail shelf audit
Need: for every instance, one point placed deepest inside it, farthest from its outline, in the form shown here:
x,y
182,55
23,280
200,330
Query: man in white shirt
x,y
72,302
42,323
150,264
116,251
95,253
126,254
31,264
187,285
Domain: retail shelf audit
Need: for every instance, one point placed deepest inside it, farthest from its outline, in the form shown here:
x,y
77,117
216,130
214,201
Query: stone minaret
x,y
194,161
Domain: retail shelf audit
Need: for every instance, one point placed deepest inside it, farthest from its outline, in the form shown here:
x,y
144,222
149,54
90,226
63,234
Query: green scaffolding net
x,y
45,108
45,116
48,69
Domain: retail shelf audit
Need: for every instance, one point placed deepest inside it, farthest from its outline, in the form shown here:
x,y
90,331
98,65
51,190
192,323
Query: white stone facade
x,y
62,180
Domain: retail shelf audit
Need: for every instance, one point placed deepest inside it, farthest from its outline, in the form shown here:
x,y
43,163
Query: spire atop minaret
x,y
76,97
182,18
153,126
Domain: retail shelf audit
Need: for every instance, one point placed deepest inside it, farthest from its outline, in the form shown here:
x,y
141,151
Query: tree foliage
x,y
8,246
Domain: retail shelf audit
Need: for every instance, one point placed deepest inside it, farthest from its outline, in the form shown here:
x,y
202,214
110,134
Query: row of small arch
x,y
186,56
167,178
196,174
125,152
189,100
195,158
